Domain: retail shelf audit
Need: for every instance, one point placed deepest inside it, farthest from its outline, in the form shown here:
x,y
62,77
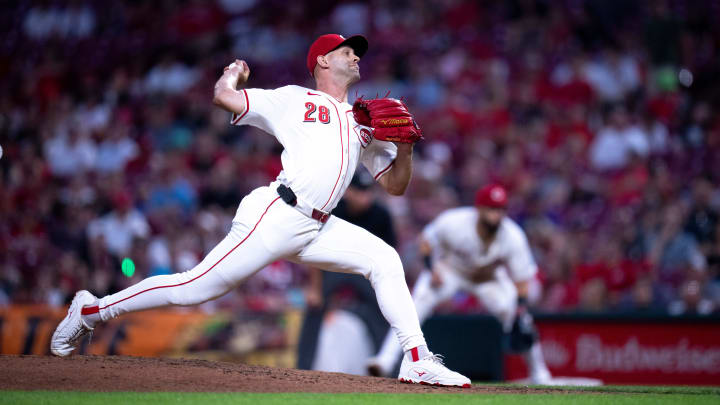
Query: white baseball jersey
x,y
456,244
323,146
314,127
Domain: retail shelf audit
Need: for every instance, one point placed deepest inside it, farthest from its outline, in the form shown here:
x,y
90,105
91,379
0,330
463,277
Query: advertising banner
x,y
27,329
629,351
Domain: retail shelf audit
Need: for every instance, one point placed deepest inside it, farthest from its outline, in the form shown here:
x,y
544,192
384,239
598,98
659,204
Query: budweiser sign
x,y
622,352
681,357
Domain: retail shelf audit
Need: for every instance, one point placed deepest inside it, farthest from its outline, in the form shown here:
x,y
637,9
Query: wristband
x,y
427,260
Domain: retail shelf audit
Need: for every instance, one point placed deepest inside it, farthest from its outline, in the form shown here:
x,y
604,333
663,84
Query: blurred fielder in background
x,y
480,250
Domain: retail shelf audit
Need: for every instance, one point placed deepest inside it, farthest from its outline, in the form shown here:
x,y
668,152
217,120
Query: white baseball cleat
x,y
541,377
431,371
71,330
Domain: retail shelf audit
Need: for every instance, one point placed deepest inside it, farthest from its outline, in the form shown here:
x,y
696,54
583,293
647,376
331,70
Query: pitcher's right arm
x,y
226,94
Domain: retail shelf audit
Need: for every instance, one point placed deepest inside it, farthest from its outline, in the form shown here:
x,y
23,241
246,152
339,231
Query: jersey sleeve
x,y
520,262
379,157
265,108
434,232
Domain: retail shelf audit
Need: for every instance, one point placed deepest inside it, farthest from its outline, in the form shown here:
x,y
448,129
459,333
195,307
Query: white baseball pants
x,y
264,230
499,297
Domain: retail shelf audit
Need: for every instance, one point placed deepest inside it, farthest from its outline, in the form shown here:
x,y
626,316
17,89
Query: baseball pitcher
x,y
324,139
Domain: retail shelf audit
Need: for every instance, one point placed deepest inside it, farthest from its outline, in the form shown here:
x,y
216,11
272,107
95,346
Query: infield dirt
x,y
120,373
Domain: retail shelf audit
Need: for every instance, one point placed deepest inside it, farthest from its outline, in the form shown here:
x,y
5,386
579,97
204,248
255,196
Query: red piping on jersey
x,y
377,176
206,271
342,153
247,108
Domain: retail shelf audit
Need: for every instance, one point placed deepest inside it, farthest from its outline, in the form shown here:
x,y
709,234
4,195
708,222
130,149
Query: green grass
x,y
620,389
643,389
158,398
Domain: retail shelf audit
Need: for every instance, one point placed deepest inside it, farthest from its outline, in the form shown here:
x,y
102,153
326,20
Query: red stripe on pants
x,y
206,271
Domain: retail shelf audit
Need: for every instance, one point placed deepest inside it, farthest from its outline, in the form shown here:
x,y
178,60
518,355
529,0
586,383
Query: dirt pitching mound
x,y
119,373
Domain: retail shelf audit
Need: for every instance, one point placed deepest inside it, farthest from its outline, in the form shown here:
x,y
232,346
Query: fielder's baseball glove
x,y
523,333
390,119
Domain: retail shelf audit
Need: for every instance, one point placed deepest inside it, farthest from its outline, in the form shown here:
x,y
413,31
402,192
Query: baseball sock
x,y
417,353
91,314
535,360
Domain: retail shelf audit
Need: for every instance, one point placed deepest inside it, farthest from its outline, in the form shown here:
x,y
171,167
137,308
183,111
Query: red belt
x,y
320,216
291,199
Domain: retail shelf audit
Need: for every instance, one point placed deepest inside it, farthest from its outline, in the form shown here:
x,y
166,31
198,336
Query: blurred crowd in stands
x,y
599,116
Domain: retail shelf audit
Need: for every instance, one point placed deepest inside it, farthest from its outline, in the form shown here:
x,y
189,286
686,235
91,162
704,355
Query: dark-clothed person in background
x,y
330,292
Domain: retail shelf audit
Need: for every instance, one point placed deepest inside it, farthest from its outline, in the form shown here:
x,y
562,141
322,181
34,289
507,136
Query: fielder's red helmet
x,y
492,195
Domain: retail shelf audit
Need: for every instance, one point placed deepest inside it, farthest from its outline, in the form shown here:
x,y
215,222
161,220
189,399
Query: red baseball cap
x,y
122,200
330,42
492,195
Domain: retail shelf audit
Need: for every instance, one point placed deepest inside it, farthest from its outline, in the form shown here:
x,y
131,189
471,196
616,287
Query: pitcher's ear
x,y
322,60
